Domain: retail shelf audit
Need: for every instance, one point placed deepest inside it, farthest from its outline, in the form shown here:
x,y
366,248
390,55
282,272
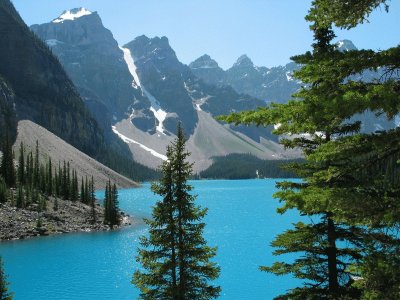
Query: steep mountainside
x,y
141,91
177,93
91,57
42,91
8,123
51,146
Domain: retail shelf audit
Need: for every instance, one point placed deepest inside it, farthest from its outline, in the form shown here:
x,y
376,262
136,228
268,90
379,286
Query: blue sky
x,y
268,31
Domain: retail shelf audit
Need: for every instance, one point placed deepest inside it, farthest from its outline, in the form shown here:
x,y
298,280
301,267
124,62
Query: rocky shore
x,y
60,216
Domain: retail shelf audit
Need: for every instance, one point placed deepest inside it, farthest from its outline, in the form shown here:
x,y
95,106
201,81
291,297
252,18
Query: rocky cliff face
x,y
42,90
91,57
268,84
160,91
163,78
8,122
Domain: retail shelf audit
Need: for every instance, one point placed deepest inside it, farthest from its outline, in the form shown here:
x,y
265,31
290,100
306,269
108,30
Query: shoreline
x,y
69,217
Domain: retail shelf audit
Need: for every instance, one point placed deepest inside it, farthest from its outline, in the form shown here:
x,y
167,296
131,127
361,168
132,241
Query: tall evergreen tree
x,y
111,207
36,179
92,200
175,255
4,292
319,119
7,169
21,165
3,190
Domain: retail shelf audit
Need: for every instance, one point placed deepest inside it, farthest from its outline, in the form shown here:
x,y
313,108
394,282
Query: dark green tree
x,y
49,177
3,190
7,169
20,198
111,207
21,165
317,118
4,292
92,201
175,256
36,171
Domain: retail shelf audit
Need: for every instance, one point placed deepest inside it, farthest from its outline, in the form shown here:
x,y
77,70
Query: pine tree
x,y
111,206
92,201
7,169
116,218
82,195
21,165
3,190
49,178
20,198
36,178
319,120
4,292
175,255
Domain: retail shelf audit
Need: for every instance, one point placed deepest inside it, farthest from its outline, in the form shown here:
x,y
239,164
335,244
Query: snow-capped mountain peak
x,y
72,14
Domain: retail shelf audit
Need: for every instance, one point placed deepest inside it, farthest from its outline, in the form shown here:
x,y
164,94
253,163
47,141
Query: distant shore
x,y
16,223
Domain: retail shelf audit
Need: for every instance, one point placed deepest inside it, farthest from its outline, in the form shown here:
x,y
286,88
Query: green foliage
x,y
343,14
350,185
7,169
111,214
246,166
4,292
3,190
175,257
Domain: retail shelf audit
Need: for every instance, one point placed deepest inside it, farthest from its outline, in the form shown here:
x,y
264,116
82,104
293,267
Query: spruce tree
x,y
21,165
36,174
7,169
4,292
318,117
175,256
92,201
20,198
3,190
49,178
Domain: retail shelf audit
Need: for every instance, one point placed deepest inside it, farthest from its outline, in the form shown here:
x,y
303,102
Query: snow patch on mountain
x,y
131,66
159,114
72,14
130,141
289,76
53,42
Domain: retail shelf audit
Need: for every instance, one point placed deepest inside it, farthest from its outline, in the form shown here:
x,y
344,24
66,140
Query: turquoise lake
x,y
242,221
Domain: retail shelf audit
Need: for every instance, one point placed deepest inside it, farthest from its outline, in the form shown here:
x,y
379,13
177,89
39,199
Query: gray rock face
x,y
268,84
207,69
7,112
163,76
93,60
42,90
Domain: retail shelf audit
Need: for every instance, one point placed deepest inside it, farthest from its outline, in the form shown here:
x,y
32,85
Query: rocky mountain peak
x,y
204,62
243,61
345,45
72,14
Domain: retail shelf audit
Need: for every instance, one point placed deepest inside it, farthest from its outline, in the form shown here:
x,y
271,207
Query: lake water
x,y
242,221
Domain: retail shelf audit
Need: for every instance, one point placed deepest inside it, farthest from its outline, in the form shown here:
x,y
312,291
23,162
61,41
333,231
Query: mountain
x,y
51,146
277,84
8,121
42,91
141,91
92,59
34,86
269,84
